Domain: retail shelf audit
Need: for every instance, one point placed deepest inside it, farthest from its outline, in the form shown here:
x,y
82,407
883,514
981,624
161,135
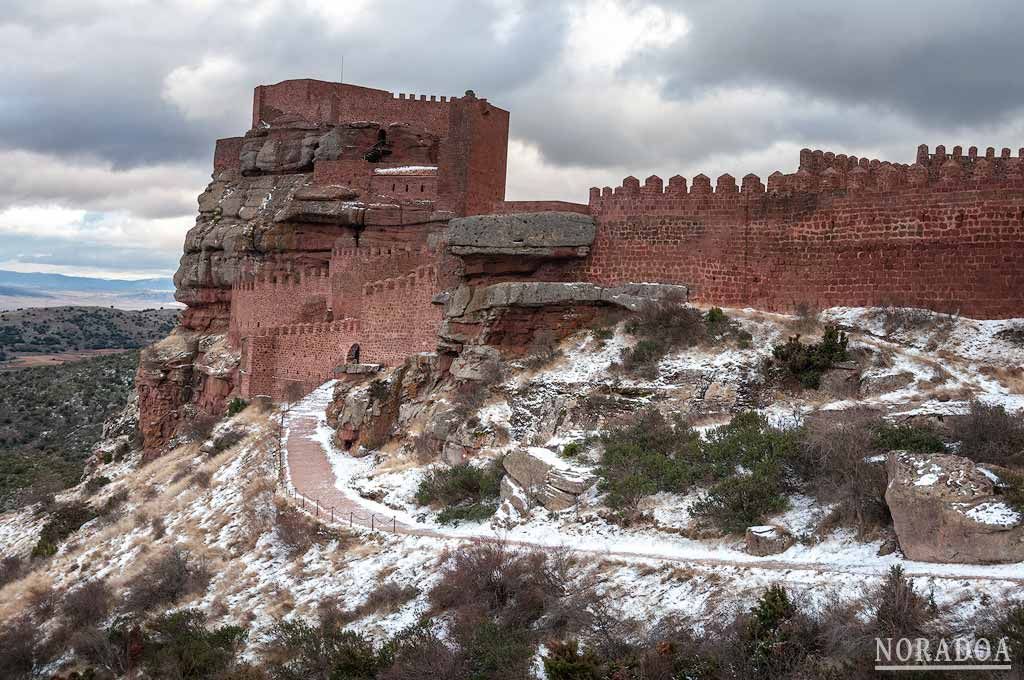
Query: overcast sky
x,y
109,108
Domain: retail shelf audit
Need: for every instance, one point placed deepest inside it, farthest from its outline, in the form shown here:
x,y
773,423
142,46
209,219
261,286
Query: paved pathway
x,y
312,486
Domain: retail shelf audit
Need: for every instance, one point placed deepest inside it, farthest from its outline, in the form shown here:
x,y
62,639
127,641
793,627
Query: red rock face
x,y
321,230
325,228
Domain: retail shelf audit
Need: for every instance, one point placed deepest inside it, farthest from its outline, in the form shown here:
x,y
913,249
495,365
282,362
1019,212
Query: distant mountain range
x,y
34,289
35,281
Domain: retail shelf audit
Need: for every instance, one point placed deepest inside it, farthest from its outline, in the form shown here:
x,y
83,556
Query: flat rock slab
x,y
543,234
545,478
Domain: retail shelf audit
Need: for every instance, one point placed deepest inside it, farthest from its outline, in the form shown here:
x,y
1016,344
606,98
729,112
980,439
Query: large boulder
x,y
946,509
541,234
767,540
542,478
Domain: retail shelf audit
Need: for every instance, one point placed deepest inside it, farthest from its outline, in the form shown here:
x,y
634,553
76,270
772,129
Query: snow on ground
x,y
647,573
838,561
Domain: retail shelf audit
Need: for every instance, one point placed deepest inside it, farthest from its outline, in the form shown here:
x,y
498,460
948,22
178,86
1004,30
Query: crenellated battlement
x,y
367,254
425,275
825,172
319,277
344,325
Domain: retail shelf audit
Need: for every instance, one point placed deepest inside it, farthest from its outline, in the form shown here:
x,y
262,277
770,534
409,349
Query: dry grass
x,y
1012,378
153,498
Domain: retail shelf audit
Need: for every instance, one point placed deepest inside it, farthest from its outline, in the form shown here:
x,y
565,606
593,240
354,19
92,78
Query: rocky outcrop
x,y
537,476
543,234
767,540
183,375
947,509
509,315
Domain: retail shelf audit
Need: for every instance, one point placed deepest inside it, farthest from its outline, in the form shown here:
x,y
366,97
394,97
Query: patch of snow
x,y
996,513
407,170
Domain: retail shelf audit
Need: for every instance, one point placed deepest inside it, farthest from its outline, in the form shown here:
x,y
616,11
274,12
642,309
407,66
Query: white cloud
x,y
209,90
604,34
118,229
152,191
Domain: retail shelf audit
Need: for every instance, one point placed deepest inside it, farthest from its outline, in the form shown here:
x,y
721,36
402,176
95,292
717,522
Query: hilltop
x,y
55,330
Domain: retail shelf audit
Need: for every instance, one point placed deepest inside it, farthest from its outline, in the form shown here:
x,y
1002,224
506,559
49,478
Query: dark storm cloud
x,y
91,83
112,107
936,61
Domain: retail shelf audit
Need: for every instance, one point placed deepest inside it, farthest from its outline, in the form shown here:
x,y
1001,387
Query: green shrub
x,y
645,457
715,316
572,449
669,324
565,662
749,441
746,463
96,483
64,520
300,651
807,362
766,633
179,645
905,437
236,406
467,492
720,327
897,610
498,652
736,503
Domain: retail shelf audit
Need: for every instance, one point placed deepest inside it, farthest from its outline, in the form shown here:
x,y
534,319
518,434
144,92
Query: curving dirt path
x,y
311,485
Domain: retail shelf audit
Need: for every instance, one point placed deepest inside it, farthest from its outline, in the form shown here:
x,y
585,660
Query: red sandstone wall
x,y
306,354
399,318
954,244
353,174
473,158
422,187
352,268
263,302
321,101
227,154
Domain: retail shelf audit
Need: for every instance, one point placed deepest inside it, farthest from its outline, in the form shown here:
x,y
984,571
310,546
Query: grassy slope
x,y
50,417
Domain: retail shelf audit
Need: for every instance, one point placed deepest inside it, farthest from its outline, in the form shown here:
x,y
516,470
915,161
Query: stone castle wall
x,y
304,354
946,233
262,302
397,319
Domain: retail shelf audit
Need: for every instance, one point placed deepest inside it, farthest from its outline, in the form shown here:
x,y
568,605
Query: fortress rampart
x,y
384,173
945,233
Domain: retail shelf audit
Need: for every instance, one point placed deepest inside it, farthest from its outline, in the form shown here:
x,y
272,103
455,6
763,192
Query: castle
x,y
322,240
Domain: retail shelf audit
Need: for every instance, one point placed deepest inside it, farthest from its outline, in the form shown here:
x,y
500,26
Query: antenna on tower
x,y
342,68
